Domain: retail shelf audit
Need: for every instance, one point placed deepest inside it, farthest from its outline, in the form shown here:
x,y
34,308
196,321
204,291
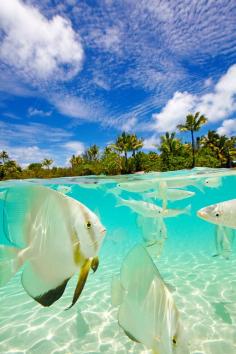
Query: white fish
x,y
223,213
137,186
147,312
63,189
212,182
115,191
171,194
154,232
151,210
89,185
54,235
224,238
182,183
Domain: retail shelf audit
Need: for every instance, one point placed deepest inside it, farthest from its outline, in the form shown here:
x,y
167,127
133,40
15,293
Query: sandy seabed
x,y
205,294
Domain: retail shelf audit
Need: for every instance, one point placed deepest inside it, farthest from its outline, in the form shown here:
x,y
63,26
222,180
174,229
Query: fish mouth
x,y
201,214
103,231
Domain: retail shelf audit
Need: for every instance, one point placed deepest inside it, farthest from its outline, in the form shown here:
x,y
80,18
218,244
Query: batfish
x,y
54,237
147,311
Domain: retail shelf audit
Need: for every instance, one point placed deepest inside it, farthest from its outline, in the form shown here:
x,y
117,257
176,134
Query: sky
x,y
76,73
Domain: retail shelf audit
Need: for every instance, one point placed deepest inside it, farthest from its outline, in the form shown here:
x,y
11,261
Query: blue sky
x,y
75,73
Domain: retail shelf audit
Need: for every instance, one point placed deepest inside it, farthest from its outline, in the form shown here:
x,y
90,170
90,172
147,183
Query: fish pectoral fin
x,y
81,281
39,289
95,264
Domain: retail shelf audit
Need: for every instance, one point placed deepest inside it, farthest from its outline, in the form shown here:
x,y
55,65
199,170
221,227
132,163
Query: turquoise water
x,y
204,286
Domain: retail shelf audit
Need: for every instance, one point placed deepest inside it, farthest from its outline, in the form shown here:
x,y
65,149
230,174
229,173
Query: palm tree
x,y
169,143
123,145
76,161
47,163
193,123
221,145
210,140
4,156
135,144
92,153
170,146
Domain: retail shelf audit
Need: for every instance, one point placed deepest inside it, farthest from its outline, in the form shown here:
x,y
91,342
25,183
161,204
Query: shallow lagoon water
x,y
205,286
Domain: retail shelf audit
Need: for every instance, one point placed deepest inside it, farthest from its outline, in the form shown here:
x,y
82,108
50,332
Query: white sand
x,y
202,284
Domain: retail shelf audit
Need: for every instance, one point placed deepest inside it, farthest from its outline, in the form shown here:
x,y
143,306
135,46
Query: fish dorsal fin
x,y
41,291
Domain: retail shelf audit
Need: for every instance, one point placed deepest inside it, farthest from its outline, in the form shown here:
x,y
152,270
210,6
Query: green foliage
x,y
193,123
211,150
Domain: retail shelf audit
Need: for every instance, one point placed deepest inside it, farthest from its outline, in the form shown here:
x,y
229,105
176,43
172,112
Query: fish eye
x,y
217,215
88,225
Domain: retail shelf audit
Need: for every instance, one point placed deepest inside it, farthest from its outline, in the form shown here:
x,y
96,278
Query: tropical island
x,y
125,156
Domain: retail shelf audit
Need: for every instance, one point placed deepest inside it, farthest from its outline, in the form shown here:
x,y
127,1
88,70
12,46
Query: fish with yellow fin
x,y
53,236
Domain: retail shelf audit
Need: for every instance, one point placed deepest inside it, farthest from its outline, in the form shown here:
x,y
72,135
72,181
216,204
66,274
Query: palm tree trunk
x,y
193,149
126,162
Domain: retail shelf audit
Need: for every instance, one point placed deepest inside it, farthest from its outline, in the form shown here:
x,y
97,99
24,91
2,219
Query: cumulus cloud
x,y
228,127
217,105
174,111
75,147
25,155
221,103
37,47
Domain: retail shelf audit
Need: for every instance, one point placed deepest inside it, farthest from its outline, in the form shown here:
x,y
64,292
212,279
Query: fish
x,y
115,191
154,233
89,185
171,194
137,186
182,183
224,238
213,182
151,210
223,213
147,312
53,236
63,189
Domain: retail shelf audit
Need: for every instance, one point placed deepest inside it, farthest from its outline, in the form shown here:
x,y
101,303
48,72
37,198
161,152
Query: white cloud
x,y
216,106
221,103
38,112
174,111
228,127
129,124
107,39
73,107
37,47
75,147
149,143
25,155
32,134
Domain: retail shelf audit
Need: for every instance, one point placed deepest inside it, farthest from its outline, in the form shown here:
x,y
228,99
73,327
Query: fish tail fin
x,y
10,263
200,186
188,209
120,202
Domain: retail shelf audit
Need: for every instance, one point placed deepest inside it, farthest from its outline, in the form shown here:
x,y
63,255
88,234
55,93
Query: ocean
x,y
203,286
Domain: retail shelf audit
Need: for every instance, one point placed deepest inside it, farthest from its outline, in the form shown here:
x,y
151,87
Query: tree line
x,y
125,155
